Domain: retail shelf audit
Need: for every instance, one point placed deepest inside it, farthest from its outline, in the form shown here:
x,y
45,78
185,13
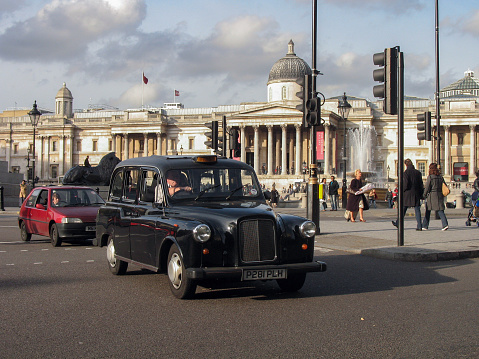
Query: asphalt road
x,y
64,303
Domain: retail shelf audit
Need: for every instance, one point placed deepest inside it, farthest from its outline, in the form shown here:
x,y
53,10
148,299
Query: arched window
x,y
283,93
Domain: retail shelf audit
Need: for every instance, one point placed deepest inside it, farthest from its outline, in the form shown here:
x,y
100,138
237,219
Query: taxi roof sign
x,y
206,159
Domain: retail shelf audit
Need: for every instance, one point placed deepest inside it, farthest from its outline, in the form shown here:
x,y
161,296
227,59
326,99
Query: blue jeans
x,y
427,216
417,211
334,201
390,203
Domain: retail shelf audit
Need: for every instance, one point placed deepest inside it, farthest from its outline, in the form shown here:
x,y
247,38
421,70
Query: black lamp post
x,y
28,163
344,107
388,173
34,118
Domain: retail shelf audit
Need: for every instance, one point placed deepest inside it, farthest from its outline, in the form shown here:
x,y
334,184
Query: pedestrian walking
x,y
389,198
372,198
356,202
324,197
23,193
413,191
333,193
434,197
395,196
274,197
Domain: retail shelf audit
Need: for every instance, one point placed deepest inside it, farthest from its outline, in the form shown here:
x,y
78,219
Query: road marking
x,y
8,226
23,250
65,261
90,260
10,264
38,263
44,249
3,251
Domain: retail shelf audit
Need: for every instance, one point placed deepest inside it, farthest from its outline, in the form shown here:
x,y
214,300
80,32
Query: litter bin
x,y
459,200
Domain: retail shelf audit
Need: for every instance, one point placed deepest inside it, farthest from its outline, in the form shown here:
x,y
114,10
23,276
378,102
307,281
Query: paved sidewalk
x,y
377,237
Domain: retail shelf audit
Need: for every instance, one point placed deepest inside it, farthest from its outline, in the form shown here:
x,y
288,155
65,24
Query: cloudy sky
x,y
219,52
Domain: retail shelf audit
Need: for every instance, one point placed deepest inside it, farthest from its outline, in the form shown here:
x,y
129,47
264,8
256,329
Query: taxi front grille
x,y
257,240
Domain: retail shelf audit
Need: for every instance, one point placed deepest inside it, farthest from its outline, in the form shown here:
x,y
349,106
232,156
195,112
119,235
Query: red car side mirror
x,y
40,206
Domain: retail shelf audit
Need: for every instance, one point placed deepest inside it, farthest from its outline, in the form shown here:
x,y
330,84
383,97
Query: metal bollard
x,y
2,206
97,190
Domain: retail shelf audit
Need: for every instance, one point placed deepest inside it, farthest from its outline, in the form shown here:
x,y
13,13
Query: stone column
x,y
270,149
256,148
298,170
39,157
447,151
243,143
113,143
145,145
158,143
69,151
61,159
126,146
291,152
472,155
8,143
284,128
327,149
277,157
46,172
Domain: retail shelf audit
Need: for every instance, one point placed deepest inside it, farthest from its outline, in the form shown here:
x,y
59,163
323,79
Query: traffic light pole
x,y
400,222
313,184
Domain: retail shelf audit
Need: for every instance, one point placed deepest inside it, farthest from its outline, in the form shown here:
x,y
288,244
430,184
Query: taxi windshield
x,y
201,184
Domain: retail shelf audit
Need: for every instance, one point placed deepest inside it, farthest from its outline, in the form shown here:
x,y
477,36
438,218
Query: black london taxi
x,y
201,217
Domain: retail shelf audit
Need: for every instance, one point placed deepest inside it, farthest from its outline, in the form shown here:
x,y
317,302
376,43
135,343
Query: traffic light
x,y
424,124
313,107
304,95
235,145
388,74
212,135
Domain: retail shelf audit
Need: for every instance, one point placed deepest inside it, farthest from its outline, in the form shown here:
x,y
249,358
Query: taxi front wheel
x,y
181,286
117,266
293,283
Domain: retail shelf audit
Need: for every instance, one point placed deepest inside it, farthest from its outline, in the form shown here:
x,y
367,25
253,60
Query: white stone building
x,y
273,139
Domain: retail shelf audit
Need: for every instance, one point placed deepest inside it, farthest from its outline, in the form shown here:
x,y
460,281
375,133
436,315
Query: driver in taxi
x,y
173,178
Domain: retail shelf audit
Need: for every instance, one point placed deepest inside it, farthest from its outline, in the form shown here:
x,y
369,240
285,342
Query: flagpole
x,y
142,88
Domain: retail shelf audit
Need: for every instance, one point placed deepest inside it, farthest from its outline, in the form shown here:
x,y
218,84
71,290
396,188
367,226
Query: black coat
x,y
353,200
333,187
413,187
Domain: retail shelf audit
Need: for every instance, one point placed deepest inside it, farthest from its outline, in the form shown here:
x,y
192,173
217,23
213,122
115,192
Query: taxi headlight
x,y
71,220
307,229
202,233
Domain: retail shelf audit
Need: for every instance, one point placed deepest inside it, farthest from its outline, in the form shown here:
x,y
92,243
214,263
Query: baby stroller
x,y
473,215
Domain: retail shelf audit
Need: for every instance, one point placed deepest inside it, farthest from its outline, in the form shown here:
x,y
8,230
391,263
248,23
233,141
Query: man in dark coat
x,y
413,191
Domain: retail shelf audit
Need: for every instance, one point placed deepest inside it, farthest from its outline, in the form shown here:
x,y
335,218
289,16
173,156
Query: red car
x,y
63,213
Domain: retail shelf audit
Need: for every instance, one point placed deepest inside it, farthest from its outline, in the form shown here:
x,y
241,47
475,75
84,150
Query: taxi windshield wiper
x,y
233,192
206,190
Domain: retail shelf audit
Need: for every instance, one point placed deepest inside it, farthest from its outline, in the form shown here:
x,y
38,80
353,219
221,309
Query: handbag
x,y
445,189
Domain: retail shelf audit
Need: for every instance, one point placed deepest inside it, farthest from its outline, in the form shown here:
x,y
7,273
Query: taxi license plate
x,y
90,228
260,274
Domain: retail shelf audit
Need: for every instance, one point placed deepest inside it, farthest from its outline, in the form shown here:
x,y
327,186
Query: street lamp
x,y
388,173
344,107
34,118
305,168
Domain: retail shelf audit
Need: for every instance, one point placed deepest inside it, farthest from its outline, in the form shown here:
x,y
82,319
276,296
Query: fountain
x,y
362,142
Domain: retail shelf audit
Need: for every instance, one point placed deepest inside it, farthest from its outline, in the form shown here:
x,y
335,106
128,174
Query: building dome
x,y
64,92
288,68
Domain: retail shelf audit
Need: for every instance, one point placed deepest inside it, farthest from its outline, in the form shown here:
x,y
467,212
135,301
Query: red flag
x,y
145,80
177,93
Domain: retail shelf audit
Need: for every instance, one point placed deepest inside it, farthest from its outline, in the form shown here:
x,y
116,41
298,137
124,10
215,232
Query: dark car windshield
x,y
212,184
70,197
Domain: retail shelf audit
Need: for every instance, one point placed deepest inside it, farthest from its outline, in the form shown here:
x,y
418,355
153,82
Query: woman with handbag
x,y
434,197
356,202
